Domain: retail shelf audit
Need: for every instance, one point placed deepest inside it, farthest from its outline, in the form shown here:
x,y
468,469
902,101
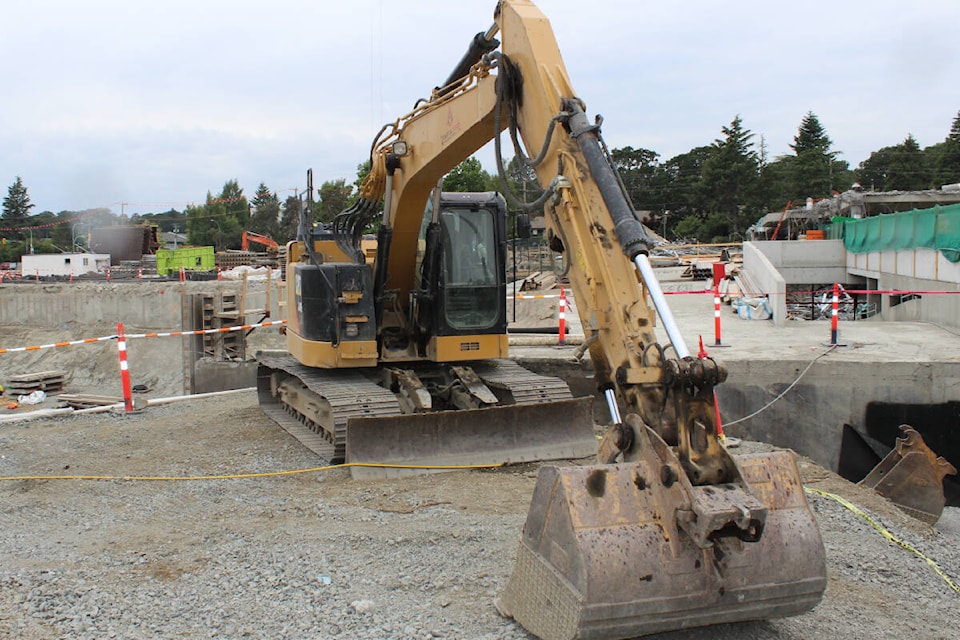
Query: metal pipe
x,y
660,303
612,406
388,198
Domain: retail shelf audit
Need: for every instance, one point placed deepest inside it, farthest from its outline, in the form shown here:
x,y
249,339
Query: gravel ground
x,y
318,555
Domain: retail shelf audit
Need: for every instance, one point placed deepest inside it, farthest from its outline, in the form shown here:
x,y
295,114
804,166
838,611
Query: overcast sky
x,y
154,104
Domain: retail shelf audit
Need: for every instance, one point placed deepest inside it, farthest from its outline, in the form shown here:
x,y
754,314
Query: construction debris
x,y
86,401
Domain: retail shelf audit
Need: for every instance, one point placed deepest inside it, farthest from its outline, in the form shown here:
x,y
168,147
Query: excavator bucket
x,y
911,476
612,551
557,430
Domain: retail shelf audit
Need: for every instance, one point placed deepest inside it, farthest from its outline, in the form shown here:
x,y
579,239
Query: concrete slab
x,y
884,363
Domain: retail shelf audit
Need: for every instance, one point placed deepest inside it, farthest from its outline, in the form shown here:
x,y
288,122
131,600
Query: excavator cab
x,y
460,285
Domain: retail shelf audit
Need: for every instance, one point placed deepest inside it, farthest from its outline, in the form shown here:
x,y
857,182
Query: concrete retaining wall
x,y
148,305
912,270
810,418
53,305
807,261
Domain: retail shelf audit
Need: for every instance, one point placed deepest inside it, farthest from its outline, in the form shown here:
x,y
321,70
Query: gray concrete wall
x,y
222,376
141,307
147,305
53,305
807,261
913,270
940,309
810,418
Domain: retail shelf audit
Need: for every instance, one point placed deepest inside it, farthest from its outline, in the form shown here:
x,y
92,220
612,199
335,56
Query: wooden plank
x,y
31,377
83,401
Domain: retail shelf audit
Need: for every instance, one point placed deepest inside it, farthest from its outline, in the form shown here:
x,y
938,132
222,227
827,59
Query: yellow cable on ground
x,y
236,476
268,474
886,534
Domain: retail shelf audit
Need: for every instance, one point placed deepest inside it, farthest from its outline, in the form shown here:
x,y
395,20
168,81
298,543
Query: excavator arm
x,y
523,87
669,530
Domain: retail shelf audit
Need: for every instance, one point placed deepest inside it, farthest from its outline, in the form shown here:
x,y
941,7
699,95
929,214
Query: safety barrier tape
x,y
166,334
884,532
57,344
886,292
199,332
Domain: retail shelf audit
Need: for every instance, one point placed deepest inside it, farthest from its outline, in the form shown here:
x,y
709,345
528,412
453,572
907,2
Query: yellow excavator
x,y
399,356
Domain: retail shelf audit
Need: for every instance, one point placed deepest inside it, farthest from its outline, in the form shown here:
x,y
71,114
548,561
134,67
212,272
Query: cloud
x,y
142,103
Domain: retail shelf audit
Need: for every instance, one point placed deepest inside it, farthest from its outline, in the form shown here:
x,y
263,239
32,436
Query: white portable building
x,y
63,264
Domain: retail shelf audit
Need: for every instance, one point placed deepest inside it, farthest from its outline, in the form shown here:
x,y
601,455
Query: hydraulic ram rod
x,y
660,303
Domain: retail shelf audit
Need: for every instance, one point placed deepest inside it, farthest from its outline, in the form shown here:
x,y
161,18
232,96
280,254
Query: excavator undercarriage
x,y
490,412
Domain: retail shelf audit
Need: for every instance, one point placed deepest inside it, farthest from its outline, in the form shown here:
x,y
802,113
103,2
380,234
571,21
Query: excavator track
x,y
332,398
525,387
346,394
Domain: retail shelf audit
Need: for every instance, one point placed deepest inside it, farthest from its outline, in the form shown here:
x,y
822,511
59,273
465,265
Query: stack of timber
x,y
46,381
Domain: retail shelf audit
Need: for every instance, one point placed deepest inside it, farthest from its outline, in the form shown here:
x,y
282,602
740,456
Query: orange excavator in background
x,y
402,361
249,236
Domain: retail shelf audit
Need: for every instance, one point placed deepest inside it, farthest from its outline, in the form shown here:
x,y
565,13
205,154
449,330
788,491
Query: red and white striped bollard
x,y
124,368
834,326
716,314
563,318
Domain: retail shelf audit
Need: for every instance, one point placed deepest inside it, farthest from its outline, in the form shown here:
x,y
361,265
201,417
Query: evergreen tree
x,y
468,176
334,197
811,136
289,220
730,179
637,168
221,220
898,168
675,193
943,159
776,183
812,170
16,208
265,218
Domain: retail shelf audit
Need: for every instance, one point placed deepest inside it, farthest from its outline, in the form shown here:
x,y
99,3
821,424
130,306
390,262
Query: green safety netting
x,y
937,228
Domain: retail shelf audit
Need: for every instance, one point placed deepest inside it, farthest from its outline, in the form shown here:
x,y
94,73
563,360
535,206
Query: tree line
x,y
710,193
